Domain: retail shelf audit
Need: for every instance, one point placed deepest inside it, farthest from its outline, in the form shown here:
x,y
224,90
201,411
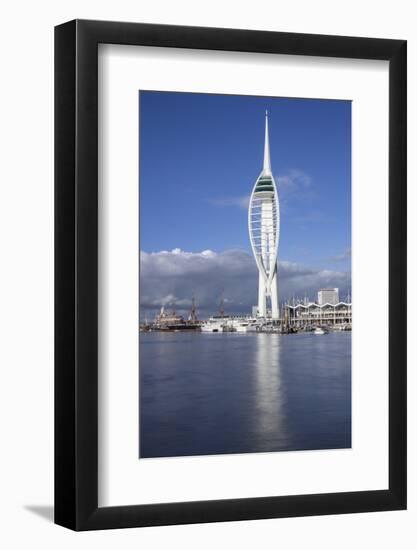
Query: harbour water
x,y
205,394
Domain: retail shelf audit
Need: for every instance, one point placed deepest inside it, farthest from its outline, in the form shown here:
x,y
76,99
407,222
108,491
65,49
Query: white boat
x,y
228,323
241,324
348,326
214,324
320,330
241,327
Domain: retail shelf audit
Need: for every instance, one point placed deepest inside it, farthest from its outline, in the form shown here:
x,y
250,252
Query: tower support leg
x,y
274,297
261,297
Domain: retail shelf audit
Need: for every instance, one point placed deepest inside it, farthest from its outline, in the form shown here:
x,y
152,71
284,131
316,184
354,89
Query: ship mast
x,y
221,311
193,316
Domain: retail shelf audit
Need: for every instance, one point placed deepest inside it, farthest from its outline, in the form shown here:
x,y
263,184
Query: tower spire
x,y
267,157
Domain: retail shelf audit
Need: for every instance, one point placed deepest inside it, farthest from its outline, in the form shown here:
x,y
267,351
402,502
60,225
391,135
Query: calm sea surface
x,y
204,394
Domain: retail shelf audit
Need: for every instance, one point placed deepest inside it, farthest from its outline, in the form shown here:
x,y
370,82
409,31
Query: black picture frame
x,y
76,272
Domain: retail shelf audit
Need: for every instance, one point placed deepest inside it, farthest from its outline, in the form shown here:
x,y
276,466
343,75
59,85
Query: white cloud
x,y
346,254
241,201
169,277
294,180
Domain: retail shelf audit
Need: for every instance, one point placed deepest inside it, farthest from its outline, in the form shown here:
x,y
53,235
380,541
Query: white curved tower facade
x,y
264,221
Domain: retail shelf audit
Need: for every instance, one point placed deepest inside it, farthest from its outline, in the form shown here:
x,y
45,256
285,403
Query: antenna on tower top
x,y
267,156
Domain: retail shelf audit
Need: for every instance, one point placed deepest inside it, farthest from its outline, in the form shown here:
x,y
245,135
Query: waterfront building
x,y
337,315
264,227
328,296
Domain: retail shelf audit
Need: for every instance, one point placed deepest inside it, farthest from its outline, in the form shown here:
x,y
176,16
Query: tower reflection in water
x,y
269,429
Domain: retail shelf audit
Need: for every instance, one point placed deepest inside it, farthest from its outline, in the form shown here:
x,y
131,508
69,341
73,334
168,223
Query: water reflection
x,y
237,393
269,408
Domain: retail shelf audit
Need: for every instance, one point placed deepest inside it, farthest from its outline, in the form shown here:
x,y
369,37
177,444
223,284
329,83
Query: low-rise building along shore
x,y
332,315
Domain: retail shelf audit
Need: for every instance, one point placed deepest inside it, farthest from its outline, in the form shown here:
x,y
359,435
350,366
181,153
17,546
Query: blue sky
x,y
200,155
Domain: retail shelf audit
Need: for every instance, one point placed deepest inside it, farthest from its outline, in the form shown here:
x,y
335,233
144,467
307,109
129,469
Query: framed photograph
x,y
230,255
